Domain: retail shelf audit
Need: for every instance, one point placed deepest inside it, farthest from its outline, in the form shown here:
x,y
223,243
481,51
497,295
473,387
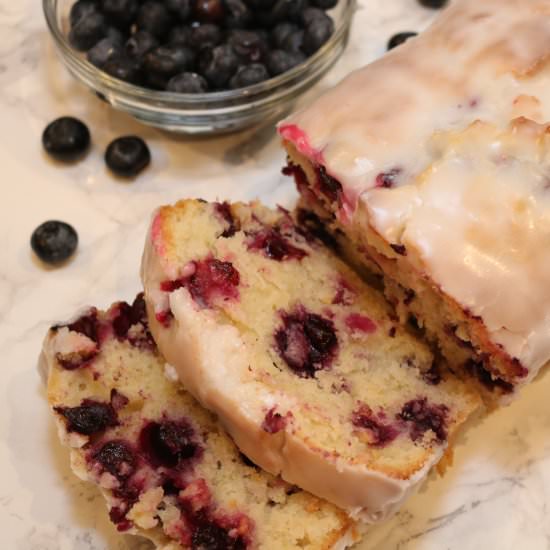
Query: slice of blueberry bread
x,y
166,468
302,361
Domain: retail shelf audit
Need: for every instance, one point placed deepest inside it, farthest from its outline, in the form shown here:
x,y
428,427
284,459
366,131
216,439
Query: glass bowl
x,y
210,113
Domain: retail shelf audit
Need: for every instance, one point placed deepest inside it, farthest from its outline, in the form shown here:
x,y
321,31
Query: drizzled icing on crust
x,y
461,110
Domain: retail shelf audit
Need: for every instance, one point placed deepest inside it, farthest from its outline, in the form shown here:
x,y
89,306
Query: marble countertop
x,y
496,494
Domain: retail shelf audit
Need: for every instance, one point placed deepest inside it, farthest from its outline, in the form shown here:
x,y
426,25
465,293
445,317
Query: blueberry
x,y
187,83
210,536
309,14
116,35
279,61
154,18
248,75
180,36
324,4
205,36
54,241
124,68
164,62
209,11
280,33
89,418
66,138
399,38
180,8
127,156
287,10
248,45
294,42
104,50
318,31
88,30
260,4
434,4
139,44
237,14
121,12
218,65
117,458
80,9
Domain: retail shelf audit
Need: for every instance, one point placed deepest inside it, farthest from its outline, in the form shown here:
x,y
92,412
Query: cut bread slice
x,y
433,161
301,360
166,468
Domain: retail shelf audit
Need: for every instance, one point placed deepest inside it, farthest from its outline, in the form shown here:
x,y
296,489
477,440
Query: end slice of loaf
x,y
165,466
303,362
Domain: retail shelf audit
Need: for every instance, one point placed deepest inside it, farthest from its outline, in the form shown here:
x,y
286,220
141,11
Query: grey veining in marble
x,y
498,491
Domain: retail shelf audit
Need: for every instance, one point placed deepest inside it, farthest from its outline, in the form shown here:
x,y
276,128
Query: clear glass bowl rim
x,y
170,100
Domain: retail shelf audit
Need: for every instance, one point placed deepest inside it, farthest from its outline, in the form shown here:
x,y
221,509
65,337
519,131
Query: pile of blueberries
x,y
197,46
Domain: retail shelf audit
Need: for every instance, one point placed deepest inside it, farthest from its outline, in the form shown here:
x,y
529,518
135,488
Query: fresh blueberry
x,y
248,75
124,68
154,18
260,4
180,8
294,42
164,62
399,38
287,10
88,30
205,36
127,156
279,61
324,4
434,4
180,36
66,138
187,83
54,241
116,35
104,50
281,32
318,31
218,65
248,45
139,44
209,11
237,14
80,9
309,14
120,12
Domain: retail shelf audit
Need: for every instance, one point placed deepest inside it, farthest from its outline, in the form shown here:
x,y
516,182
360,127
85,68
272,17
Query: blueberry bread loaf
x,y
433,163
166,468
303,362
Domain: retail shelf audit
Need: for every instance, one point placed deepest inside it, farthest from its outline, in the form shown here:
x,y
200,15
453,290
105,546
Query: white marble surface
x,y
497,493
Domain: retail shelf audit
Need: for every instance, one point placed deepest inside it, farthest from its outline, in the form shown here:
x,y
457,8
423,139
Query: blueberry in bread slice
x,y
165,466
458,231
304,363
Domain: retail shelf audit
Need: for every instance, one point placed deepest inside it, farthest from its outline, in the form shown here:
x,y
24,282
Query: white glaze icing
x,y
212,362
454,204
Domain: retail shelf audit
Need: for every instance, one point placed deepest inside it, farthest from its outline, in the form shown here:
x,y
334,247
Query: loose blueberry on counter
x,y
434,4
400,38
127,156
187,83
248,75
66,138
54,241
88,30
